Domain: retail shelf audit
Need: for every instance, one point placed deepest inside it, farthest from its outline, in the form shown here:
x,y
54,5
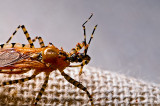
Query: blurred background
x,y
126,41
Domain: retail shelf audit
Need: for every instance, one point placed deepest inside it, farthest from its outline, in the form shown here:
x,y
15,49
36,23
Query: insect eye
x,y
60,53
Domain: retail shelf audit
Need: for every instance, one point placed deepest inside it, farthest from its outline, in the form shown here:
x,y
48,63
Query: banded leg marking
x,y
18,80
26,34
40,41
42,89
77,84
13,34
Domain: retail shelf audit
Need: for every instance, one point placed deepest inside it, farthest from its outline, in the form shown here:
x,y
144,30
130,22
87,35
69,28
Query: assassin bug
x,y
18,58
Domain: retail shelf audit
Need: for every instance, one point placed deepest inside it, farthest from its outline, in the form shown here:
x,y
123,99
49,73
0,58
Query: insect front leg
x,y
84,62
78,47
77,84
26,34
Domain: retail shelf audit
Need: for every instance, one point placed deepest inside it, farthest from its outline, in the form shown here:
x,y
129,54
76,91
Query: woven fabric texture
x,y
107,88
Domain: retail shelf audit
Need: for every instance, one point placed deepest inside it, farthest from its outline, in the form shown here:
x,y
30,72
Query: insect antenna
x,y
91,38
87,19
84,29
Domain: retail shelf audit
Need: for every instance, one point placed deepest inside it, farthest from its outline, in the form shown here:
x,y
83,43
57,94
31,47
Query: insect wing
x,y
9,56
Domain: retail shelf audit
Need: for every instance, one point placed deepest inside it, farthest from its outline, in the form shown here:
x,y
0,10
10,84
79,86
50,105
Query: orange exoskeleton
x,y
18,58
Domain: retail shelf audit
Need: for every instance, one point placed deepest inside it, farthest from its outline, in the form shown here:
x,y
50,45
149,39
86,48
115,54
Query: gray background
x,y
127,39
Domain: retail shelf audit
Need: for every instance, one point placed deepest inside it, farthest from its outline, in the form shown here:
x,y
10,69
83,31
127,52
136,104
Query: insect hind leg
x,y
26,34
40,41
18,80
77,84
42,89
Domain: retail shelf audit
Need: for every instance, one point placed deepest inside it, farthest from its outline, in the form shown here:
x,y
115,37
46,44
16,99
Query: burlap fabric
x,y
107,88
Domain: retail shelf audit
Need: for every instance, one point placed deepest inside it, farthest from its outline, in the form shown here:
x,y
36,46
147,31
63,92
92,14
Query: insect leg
x,y
26,34
42,89
13,34
18,80
40,41
78,47
77,84
84,62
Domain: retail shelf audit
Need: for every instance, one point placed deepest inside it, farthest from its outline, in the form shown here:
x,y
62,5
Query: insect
x,y
18,58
